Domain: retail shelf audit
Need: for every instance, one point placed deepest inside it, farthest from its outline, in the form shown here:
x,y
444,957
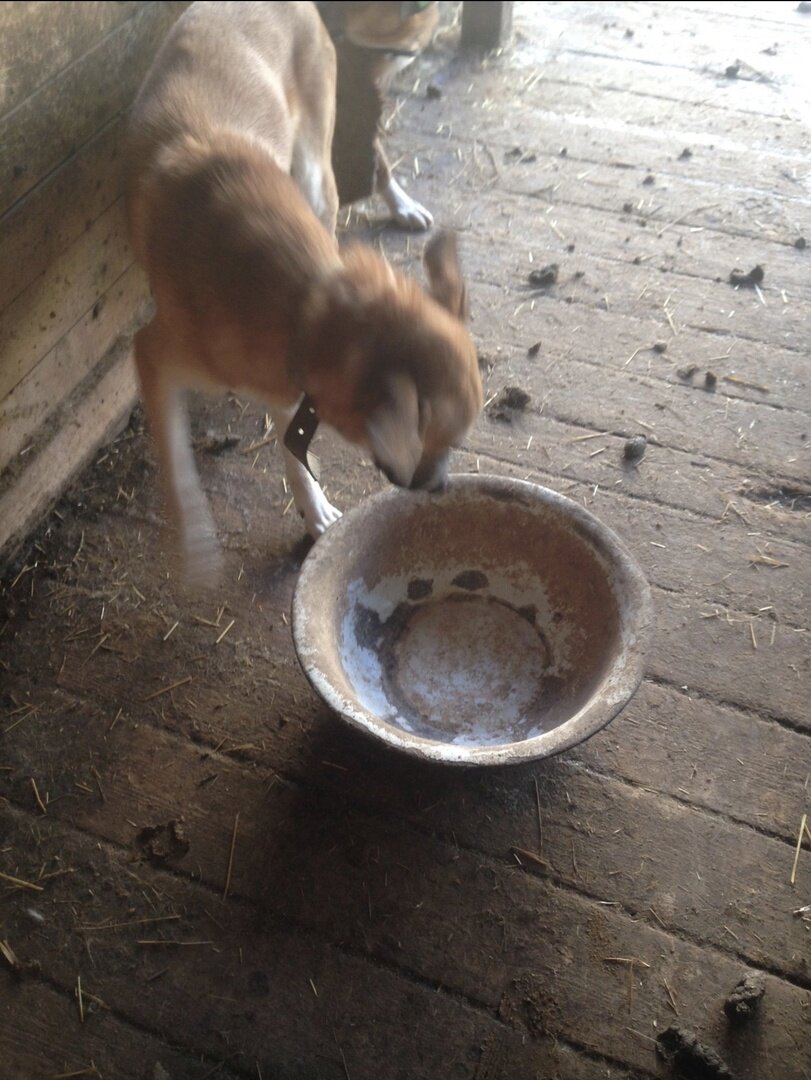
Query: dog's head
x,y
391,367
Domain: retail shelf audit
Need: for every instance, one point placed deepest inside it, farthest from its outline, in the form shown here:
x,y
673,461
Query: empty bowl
x,y
495,622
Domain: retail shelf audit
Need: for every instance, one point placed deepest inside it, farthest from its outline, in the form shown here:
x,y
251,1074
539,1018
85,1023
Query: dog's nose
x,y
431,474
390,474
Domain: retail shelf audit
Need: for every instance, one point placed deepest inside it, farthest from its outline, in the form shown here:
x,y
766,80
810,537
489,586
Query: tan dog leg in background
x,y
374,42
406,211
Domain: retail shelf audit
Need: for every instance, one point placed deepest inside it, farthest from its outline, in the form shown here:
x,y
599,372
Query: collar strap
x,y
299,435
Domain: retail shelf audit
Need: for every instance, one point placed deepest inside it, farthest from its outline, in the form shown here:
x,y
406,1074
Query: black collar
x,y
299,435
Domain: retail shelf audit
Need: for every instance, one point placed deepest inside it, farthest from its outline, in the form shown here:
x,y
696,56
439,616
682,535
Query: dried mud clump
x,y
635,448
689,1057
163,843
507,403
747,280
742,1004
543,278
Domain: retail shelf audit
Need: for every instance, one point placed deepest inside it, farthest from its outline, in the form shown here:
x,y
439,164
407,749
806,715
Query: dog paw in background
x,y
405,211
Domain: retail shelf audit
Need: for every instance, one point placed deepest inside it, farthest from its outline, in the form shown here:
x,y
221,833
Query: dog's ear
x,y
394,432
442,265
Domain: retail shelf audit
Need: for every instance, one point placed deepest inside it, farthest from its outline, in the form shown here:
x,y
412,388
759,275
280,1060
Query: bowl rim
x,y
619,685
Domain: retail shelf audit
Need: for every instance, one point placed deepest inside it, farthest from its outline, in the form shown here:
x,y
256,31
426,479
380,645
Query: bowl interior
x,y
496,620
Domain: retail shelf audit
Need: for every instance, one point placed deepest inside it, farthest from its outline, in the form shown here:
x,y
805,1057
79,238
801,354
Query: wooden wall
x,y
70,296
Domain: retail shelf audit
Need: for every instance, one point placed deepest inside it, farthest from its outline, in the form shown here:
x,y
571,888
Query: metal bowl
x,y
496,622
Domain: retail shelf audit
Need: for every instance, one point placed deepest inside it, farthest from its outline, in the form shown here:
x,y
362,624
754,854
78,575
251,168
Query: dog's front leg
x,y
188,510
405,210
311,502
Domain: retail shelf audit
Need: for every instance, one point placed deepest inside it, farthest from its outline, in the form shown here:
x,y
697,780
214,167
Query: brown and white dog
x,y
232,207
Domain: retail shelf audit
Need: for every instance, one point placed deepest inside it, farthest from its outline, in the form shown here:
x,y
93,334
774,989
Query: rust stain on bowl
x,y
495,622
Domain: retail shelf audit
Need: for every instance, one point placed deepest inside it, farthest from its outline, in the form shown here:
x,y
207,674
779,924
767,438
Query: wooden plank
x,y
677,415
628,66
591,154
692,292
548,77
56,213
68,111
690,38
715,561
785,15
435,938
677,201
764,662
41,1036
289,1002
755,371
618,862
716,489
697,425
39,40
769,58
92,421
43,390
43,313
691,749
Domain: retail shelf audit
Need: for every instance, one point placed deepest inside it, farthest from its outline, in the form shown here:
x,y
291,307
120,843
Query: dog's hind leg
x,y
316,180
311,502
311,164
168,420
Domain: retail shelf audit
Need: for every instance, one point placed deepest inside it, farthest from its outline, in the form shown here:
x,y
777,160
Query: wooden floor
x,y
204,874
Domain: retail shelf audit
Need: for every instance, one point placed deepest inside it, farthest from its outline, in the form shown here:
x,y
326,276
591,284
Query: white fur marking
x,y
405,210
311,502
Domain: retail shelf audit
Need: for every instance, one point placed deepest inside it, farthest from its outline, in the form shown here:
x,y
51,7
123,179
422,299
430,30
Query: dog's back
x,y
232,248
229,110
229,67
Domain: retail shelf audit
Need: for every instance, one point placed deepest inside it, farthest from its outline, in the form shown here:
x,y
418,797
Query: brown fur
x,y
232,210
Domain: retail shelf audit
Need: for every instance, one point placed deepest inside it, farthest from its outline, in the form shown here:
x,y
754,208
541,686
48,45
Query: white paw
x,y
319,514
405,211
413,216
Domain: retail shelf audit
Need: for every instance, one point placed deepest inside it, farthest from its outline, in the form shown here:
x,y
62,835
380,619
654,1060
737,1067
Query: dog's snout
x,y
431,474
389,473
